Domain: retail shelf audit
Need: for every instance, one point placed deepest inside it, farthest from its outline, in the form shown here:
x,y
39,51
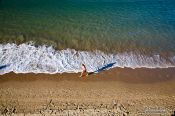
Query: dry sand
x,y
114,92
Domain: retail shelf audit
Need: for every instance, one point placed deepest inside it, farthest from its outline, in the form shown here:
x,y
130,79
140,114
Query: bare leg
x,y
81,74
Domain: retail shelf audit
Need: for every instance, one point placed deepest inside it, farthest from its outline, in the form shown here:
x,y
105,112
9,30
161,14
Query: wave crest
x,y
27,58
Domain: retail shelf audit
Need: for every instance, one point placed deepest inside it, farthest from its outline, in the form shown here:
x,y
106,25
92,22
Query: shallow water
x,y
133,33
27,58
145,26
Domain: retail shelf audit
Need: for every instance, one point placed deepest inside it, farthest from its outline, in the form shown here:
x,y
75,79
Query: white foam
x,y
27,58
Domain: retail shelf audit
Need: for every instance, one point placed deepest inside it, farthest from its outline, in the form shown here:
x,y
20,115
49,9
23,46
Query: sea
x,y
57,36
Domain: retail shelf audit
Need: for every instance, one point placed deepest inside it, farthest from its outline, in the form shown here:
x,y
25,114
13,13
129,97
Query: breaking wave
x,y
27,58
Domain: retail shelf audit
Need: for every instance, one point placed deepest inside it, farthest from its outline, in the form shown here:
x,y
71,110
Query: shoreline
x,y
112,92
45,59
137,75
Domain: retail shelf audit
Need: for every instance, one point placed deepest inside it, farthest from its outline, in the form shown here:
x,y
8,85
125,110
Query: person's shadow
x,y
173,114
102,68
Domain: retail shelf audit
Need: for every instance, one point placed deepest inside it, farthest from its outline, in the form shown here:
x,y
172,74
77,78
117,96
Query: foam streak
x,y
26,58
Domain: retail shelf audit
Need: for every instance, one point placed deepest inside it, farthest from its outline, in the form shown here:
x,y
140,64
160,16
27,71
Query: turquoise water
x,y
129,33
144,26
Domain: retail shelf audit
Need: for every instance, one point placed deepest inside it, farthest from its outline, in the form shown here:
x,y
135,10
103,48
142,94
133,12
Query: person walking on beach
x,y
84,71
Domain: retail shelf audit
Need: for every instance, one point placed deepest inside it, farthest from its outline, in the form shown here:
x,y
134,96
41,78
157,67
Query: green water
x,y
145,26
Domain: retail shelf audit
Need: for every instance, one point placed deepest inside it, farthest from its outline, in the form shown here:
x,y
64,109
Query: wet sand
x,y
119,91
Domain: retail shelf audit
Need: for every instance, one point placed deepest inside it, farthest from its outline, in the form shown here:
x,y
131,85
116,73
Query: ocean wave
x,y
27,58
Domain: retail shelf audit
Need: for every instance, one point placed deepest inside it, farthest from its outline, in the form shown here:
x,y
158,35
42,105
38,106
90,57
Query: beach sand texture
x,y
116,92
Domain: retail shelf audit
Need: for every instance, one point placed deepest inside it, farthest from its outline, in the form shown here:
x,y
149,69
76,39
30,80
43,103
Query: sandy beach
x,y
45,43
116,92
